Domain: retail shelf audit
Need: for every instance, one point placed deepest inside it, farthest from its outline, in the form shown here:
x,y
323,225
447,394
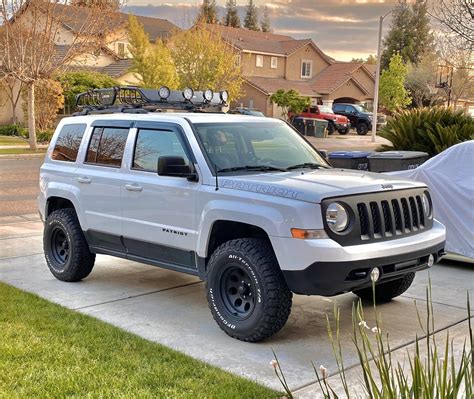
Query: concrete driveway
x,y
171,308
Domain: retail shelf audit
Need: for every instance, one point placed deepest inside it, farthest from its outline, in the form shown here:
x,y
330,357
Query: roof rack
x,y
132,99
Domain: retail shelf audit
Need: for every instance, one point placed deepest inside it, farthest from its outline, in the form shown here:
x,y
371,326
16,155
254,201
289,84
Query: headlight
x,y
164,92
337,217
425,201
224,96
208,95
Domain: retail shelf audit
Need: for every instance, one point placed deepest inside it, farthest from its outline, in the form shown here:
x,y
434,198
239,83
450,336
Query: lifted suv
x,y
359,117
335,122
244,203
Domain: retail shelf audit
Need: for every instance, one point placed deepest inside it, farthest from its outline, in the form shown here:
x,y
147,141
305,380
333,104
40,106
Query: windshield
x,y
325,109
249,146
360,108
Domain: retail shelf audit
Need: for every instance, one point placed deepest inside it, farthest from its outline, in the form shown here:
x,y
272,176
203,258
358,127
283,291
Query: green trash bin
x,y
321,126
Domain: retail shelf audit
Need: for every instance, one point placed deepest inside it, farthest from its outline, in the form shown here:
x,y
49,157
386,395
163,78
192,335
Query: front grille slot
x,y
406,215
414,213
387,218
421,213
363,220
397,216
375,213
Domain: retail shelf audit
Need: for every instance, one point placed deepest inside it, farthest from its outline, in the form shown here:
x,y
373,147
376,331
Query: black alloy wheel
x,y
59,245
237,291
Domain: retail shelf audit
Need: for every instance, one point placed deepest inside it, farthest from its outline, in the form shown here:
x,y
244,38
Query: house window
x,y
259,61
251,105
306,68
238,60
274,63
121,50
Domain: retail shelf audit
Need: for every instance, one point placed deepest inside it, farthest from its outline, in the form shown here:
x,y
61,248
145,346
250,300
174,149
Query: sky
x,y
342,28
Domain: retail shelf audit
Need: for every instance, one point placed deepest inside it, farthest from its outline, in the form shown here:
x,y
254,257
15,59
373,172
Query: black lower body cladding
x,y
333,278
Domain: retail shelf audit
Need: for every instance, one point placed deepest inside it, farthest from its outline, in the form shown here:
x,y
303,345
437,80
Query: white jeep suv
x,y
243,202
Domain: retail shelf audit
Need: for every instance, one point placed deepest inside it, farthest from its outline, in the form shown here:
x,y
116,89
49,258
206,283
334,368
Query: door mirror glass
x,y
175,166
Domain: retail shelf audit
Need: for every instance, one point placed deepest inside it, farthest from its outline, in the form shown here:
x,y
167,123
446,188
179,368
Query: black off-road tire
x,y
343,131
79,261
272,298
331,128
362,129
385,292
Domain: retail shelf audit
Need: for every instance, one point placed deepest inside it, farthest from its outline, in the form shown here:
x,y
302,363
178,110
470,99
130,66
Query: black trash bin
x,y
389,161
350,159
310,127
299,124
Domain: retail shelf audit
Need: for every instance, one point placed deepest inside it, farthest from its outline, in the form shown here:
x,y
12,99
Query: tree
x,y
208,12
290,101
409,35
251,17
456,18
371,60
232,16
28,41
152,64
421,81
49,100
202,60
74,83
265,21
392,93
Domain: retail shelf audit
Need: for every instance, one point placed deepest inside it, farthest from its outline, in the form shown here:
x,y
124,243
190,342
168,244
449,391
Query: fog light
x,y
375,274
431,260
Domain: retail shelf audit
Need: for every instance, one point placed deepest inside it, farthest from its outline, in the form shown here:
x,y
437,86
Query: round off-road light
x,y
208,95
431,260
224,96
164,92
425,201
188,93
337,217
375,274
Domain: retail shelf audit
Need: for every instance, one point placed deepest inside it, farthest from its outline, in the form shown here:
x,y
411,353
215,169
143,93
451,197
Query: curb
x,y
20,156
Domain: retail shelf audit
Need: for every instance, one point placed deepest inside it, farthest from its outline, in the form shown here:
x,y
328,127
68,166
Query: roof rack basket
x,y
132,99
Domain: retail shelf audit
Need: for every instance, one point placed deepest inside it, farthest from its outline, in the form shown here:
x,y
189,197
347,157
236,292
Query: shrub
x,y
44,136
431,130
74,83
13,130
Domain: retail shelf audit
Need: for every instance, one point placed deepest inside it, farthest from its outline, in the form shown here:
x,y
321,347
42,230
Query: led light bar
x,y
131,97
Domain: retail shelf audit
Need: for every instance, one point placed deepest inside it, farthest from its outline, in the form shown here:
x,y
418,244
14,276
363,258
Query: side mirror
x,y
325,154
176,167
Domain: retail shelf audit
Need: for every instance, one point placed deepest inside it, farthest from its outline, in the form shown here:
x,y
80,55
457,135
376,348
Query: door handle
x,y
83,179
133,187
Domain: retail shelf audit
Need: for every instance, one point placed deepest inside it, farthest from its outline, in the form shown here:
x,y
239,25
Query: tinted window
x,y
152,144
106,146
68,142
338,108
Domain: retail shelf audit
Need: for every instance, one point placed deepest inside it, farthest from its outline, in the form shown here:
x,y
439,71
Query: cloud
x,y
342,28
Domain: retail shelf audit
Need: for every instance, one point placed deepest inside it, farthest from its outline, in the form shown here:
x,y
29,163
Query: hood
x,y
315,185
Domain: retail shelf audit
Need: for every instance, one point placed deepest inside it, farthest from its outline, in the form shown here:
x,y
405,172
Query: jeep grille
x,y
381,216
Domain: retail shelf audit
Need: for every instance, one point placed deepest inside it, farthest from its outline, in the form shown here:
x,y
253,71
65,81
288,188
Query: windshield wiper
x,y
310,165
263,168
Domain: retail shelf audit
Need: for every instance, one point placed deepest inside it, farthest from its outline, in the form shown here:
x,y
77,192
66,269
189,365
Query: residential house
x,y
270,62
113,58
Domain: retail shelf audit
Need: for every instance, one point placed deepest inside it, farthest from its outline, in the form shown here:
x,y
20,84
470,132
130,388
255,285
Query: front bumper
x,y
342,126
324,267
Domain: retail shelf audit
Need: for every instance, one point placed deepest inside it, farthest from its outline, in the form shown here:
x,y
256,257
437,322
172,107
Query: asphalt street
x,y
19,185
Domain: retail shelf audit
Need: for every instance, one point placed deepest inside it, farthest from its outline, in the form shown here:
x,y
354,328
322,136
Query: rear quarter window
x,y
68,142
106,146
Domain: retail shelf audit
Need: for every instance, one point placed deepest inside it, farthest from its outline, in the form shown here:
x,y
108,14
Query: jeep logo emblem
x,y
387,186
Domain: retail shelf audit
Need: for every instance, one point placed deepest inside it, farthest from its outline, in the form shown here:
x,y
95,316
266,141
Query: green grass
x,y
6,151
12,140
48,351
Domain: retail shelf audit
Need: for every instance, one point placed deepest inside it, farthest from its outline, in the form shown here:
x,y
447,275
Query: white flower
x,y
376,330
274,363
364,324
324,372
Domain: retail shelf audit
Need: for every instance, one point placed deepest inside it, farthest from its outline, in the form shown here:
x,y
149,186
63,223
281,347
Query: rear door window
x,y
106,146
68,142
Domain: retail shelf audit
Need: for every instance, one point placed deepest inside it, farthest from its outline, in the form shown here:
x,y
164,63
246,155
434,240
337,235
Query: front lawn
x,y
50,351
12,140
15,151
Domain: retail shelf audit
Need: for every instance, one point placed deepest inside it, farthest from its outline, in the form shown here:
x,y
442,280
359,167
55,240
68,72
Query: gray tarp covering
x,y
450,178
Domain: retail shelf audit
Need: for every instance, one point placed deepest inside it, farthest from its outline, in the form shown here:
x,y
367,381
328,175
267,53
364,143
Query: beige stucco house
x,y
113,58
270,62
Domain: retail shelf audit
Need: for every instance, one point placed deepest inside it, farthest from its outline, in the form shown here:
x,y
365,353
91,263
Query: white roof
x,y
170,117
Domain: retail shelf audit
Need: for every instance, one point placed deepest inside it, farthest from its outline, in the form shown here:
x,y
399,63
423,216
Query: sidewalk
x,y
350,142
171,308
